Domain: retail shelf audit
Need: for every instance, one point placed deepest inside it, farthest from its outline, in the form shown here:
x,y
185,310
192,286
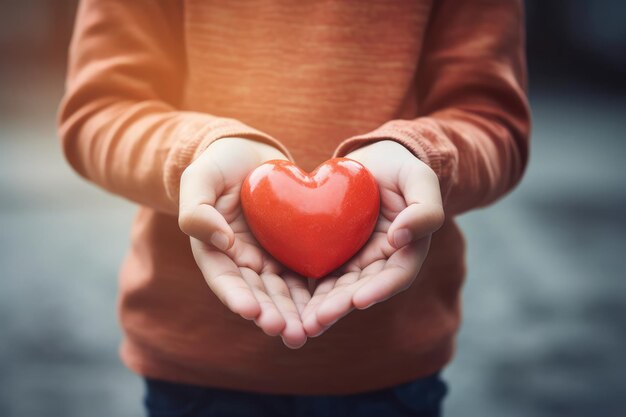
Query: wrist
x,y
384,149
242,146
386,145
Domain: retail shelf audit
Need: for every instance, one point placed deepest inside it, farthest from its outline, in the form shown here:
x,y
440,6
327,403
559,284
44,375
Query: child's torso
x,y
310,73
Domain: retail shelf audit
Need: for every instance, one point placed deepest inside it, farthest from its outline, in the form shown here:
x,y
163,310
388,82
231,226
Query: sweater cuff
x,y
419,140
196,136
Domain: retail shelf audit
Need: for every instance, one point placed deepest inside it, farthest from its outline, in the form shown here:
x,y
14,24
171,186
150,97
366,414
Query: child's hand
x,y
411,210
242,275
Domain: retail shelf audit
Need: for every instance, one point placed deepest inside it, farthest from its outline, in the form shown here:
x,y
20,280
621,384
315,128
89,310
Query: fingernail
x,y
402,237
219,240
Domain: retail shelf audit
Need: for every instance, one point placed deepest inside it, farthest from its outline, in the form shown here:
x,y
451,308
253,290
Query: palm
x,y
379,270
369,275
245,278
245,252
378,254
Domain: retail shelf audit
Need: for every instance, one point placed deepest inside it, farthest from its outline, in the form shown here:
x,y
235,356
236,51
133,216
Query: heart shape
x,y
311,223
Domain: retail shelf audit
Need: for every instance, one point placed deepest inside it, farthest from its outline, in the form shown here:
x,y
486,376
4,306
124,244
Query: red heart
x,y
311,223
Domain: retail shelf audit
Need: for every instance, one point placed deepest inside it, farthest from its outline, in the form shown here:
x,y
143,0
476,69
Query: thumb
x,y
205,223
424,213
414,222
200,187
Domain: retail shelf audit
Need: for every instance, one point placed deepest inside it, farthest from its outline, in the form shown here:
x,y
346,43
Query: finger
x,y
374,268
309,320
399,273
271,321
200,186
293,334
338,302
347,286
205,223
248,255
375,249
225,280
299,290
414,222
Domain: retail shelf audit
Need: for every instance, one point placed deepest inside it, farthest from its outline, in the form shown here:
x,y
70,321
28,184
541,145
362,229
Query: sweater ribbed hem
x,y
193,141
419,141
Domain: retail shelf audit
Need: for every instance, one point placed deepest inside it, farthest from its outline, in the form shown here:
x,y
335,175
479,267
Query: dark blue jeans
x,y
422,397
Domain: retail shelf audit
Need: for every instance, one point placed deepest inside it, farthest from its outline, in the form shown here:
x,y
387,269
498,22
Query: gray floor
x,y
544,328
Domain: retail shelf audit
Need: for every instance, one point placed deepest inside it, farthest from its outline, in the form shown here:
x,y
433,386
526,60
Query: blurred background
x,y
544,330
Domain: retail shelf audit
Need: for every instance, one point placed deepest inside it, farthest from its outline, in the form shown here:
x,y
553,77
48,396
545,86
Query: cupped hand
x,y
241,274
411,210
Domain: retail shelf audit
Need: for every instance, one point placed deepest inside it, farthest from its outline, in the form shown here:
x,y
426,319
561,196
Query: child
x,y
171,103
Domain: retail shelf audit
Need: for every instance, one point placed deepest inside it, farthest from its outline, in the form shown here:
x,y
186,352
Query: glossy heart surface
x,y
311,223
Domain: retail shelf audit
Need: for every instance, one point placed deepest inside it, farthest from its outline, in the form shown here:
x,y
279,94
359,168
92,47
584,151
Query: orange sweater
x,y
153,82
